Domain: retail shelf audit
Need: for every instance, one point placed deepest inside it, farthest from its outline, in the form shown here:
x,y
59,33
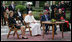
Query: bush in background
x,y
21,7
36,15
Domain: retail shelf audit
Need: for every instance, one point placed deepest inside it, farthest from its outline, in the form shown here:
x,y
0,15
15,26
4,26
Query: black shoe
x,y
24,38
4,24
55,33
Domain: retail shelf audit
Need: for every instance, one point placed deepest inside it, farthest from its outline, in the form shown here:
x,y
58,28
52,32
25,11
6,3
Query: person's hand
x,y
33,22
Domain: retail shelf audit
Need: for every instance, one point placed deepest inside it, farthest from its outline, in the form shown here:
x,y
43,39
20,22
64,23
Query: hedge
x,y
21,7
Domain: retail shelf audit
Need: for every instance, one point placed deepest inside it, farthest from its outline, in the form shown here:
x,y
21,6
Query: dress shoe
x,y
24,37
4,24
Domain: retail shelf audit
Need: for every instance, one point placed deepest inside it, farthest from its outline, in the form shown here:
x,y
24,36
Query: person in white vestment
x,y
35,27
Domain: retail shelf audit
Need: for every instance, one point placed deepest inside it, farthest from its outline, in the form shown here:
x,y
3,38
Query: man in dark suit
x,y
19,15
45,17
52,12
58,6
12,7
3,7
46,7
29,8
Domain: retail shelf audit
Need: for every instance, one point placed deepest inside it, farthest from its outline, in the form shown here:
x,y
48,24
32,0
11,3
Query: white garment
x,y
12,6
19,13
35,27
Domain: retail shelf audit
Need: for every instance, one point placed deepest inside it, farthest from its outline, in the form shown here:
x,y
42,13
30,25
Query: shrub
x,y
36,15
38,9
37,18
21,7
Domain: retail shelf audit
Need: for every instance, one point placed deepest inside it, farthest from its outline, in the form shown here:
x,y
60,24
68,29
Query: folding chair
x,y
12,28
27,25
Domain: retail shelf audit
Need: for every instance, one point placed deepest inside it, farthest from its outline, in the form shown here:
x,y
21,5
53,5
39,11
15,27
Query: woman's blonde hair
x,y
10,12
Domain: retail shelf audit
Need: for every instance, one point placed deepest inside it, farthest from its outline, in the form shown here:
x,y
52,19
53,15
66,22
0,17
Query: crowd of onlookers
x,y
54,8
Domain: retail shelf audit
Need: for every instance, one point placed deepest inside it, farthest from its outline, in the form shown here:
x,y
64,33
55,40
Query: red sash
x,y
67,23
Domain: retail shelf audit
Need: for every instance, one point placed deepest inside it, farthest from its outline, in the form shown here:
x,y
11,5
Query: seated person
x,y
19,15
18,26
61,17
45,17
35,27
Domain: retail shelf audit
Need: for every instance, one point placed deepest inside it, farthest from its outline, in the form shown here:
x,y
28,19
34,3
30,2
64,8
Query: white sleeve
x,y
27,19
34,19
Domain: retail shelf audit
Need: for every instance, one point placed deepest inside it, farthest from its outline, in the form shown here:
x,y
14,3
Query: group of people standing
x,y
58,12
5,10
54,8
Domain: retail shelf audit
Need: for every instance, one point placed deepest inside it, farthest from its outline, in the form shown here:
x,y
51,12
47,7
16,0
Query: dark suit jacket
x,y
28,9
52,7
10,8
17,14
20,17
44,19
52,12
3,10
58,6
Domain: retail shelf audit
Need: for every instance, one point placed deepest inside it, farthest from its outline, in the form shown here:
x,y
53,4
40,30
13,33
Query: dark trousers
x,y
3,20
48,28
21,19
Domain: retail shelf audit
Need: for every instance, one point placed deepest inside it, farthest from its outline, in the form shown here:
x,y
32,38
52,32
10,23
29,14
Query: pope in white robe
x,y
35,27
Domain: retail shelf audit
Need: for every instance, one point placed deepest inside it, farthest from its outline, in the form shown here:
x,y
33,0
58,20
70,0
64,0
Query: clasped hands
x,y
32,22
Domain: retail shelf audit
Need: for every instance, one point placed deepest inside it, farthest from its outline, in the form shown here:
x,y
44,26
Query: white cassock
x,y
35,27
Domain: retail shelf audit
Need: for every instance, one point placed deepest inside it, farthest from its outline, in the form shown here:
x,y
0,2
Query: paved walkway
x,y
58,37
